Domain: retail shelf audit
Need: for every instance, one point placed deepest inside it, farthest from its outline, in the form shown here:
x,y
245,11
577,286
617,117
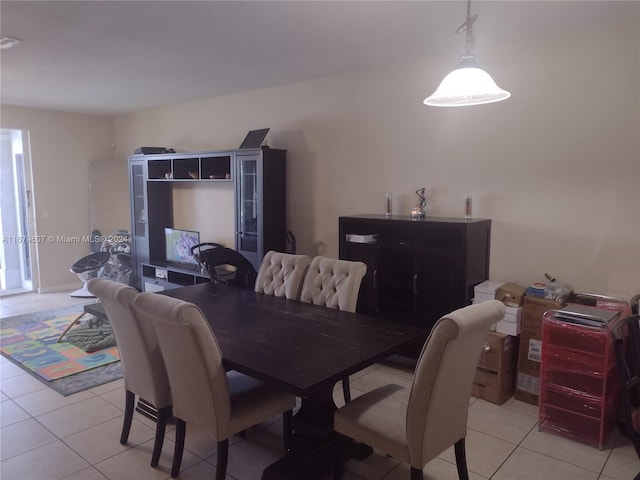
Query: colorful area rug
x,y
30,341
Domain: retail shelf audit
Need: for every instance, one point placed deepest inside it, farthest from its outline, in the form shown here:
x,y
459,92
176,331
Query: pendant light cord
x,y
470,41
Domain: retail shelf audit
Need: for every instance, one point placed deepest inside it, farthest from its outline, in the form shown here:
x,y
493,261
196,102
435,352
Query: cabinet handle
x,y
415,283
375,279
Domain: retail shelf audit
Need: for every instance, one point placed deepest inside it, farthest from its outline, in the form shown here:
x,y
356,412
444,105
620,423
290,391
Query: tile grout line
x,y
518,445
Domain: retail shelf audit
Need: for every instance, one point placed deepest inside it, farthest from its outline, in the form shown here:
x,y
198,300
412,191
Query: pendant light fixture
x,y
468,84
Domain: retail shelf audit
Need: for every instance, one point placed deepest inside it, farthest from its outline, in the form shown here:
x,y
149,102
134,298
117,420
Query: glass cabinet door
x,y
139,218
139,213
248,202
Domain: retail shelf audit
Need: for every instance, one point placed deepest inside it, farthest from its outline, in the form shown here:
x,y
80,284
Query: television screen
x,y
178,245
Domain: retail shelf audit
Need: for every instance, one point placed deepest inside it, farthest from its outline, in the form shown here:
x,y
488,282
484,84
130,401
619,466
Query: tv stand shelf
x,y
165,276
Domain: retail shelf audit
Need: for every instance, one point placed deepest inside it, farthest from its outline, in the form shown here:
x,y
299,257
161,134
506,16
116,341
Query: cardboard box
x,y
496,372
486,290
483,297
511,323
510,294
528,378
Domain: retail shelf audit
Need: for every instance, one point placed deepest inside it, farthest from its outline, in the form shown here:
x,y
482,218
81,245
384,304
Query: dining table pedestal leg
x,y
314,446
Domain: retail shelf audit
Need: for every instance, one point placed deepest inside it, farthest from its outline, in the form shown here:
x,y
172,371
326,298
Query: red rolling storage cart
x,y
578,378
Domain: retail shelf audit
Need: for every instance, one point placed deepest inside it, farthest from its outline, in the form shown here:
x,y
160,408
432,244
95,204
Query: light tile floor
x,y
44,435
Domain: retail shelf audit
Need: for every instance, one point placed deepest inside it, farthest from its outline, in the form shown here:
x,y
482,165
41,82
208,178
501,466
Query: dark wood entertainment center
x,y
258,176
417,269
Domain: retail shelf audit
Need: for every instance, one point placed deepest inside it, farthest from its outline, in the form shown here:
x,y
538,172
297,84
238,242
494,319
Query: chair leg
x,y
129,401
461,459
287,429
416,474
181,431
161,426
346,390
221,464
338,471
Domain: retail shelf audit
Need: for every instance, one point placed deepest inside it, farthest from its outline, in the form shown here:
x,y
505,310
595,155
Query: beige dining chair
x,y
416,425
334,283
223,402
142,364
281,274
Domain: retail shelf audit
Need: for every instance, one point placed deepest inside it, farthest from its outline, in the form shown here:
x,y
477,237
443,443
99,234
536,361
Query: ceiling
x,y
112,57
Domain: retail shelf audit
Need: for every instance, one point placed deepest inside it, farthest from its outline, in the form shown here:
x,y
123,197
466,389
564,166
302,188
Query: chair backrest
x,y
193,360
281,274
245,273
333,283
441,390
142,365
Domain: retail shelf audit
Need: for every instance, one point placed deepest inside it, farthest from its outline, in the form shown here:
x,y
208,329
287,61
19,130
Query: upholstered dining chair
x,y
335,284
142,364
223,402
281,274
416,425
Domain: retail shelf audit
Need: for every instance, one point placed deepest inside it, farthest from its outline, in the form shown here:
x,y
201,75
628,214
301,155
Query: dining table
x,y
303,348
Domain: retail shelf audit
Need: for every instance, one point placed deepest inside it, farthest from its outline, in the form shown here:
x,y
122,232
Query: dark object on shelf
x,y
152,150
254,138
216,259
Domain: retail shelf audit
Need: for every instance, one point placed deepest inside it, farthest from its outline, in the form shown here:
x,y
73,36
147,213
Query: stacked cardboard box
x,y
496,373
528,379
511,295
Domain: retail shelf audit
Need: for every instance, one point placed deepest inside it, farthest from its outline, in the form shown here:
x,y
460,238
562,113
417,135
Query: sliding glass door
x,y
16,214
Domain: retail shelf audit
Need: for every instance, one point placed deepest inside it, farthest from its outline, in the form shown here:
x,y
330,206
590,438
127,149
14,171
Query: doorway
x,y
16,214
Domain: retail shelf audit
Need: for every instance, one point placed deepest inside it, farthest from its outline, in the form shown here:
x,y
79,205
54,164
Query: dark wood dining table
x,y
303,348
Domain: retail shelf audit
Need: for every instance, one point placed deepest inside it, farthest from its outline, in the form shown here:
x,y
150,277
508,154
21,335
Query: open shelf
x,y
210,168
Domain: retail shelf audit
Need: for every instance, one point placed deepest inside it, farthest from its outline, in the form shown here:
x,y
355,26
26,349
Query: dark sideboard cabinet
x,y
417,269
258,176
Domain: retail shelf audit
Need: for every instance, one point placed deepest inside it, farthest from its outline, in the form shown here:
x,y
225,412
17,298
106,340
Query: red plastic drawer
x,y
563,358
572,400
575,337
572,425
589,384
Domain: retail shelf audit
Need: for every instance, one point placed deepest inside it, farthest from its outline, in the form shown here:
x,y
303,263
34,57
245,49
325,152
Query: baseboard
x,y
69,287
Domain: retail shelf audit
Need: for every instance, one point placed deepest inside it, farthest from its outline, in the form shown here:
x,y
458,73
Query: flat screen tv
x,y
178,245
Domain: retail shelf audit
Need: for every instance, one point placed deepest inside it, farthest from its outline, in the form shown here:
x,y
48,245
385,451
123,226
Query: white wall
x,y
207,208
64,146
556,167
